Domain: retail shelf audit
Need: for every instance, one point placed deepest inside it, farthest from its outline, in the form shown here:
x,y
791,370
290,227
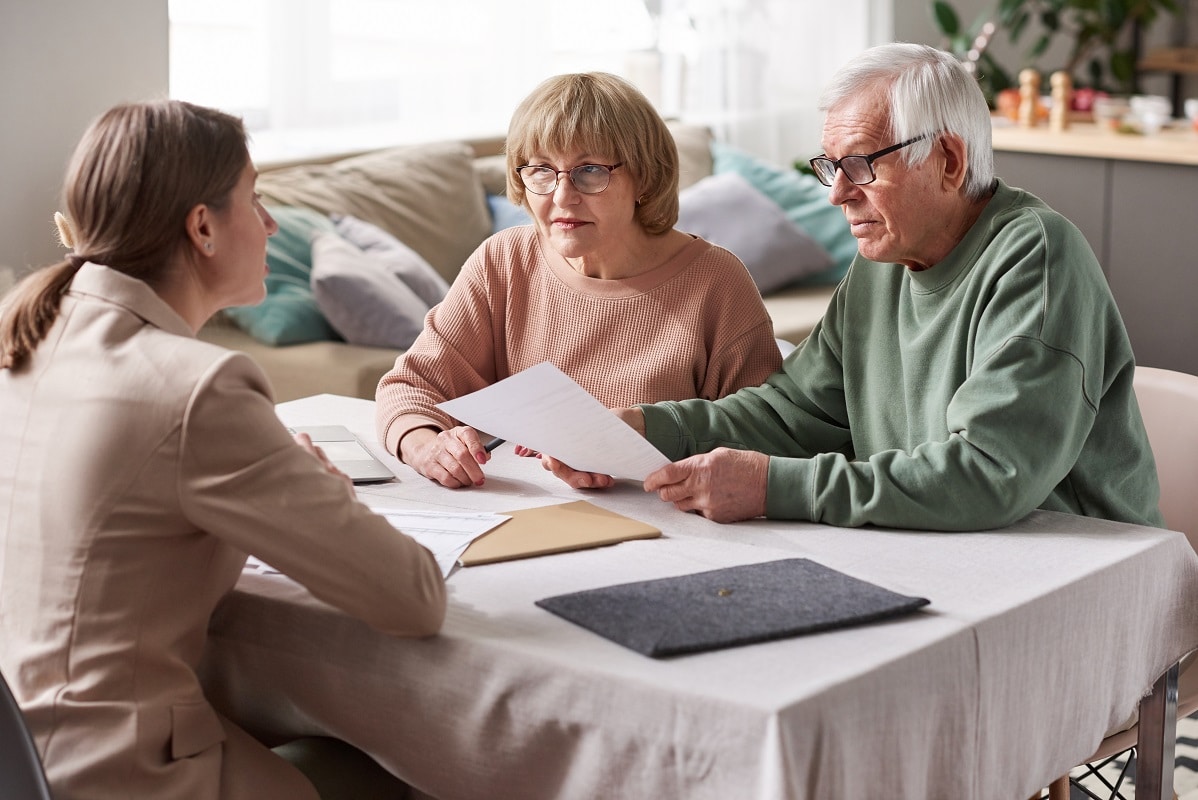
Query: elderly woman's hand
x,y
452,458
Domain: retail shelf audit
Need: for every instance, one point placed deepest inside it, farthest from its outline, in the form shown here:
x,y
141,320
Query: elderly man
x,y
971,367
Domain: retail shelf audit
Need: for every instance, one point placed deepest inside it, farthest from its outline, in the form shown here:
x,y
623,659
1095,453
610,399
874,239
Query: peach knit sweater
x,y
693,327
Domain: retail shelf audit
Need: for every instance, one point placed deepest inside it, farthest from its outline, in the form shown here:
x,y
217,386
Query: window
x,y
312,76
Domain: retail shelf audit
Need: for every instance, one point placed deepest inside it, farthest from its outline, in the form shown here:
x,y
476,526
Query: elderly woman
x,y
601,284
972,366
139,466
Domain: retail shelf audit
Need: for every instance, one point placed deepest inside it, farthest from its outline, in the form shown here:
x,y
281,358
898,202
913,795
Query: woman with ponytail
x,y
139,466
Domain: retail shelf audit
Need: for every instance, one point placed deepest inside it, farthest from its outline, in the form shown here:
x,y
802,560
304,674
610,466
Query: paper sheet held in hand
x,y
543,409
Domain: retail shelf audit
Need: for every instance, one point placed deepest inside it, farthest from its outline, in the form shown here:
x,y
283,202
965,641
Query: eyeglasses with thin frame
x,y
859,169
587,178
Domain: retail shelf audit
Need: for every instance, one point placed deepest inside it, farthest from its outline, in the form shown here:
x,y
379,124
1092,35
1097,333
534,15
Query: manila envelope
x,y
554,529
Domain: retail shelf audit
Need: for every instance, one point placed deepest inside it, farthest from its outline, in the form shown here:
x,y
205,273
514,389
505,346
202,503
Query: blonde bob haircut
x,y
595,112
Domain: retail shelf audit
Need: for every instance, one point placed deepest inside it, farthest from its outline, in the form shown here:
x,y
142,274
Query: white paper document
x,y
542,408
446,534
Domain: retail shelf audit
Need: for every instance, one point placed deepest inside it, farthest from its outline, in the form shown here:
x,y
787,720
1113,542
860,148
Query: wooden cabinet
x,y
1139,215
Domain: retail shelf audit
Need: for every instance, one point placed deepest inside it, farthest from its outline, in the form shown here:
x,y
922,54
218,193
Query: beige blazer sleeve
x,y
243,479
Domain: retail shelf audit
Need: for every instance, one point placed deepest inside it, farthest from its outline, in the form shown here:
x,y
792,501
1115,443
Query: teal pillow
x,y
805,201
289,314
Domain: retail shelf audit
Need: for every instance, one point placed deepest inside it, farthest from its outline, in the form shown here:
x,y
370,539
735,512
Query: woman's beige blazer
x,y
138,467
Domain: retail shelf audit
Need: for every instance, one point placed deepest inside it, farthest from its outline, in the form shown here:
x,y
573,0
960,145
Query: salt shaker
x,y
1029,97
1062,97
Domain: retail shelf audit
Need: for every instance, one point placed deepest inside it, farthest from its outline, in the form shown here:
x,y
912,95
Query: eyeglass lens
x,y
859,169
856,168
587,178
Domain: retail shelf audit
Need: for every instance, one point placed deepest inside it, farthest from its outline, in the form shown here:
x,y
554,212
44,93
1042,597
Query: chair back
x,y
21,774
1169,404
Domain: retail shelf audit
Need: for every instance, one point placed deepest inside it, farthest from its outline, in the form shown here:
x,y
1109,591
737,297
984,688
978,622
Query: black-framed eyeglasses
x,y
587,178
858,169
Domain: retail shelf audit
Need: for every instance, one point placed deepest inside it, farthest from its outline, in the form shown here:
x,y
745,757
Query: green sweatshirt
x,y
961,397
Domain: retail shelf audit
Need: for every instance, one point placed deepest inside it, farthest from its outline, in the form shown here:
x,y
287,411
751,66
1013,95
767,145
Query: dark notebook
x,y
729,607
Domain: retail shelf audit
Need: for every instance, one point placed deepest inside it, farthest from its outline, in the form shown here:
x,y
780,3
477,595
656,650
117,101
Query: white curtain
x,y
314,76
753,69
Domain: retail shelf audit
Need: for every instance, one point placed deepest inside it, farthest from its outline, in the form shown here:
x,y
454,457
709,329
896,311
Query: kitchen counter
x,y
1176,144
1132,196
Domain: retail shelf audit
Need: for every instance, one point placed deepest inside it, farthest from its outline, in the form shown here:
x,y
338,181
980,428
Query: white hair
x,y
930,93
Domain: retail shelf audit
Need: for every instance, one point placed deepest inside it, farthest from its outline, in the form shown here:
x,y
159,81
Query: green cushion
x,y
289,314
805,201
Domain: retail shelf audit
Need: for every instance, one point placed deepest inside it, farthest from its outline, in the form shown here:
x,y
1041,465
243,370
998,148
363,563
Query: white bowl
x,y
1142,104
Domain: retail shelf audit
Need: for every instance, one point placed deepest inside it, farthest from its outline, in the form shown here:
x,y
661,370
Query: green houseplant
x,y
1100,36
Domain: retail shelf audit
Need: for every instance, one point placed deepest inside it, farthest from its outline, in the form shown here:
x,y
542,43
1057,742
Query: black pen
x,y
491,445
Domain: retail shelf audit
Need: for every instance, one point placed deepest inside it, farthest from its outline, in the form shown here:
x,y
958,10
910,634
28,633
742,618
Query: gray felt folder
x,y
729,607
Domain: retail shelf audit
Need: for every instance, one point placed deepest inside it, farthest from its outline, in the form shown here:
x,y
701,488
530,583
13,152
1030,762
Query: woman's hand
x,y
452,458
633,417
305,441
576,478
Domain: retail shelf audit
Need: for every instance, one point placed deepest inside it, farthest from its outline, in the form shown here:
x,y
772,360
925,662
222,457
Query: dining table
x,y
1039,638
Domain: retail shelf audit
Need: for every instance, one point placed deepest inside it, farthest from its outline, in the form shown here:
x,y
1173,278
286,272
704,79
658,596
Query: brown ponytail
x,y
30,309
136,174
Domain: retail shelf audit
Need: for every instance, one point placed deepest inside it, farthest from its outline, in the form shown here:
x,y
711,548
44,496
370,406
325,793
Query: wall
x,y
62,62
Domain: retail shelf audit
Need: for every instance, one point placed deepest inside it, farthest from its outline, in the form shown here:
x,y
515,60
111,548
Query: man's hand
x,y
452,458
633,417
723,485
577,479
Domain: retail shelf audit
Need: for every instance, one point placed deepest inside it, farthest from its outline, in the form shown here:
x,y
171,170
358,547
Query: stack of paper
x,y
446,534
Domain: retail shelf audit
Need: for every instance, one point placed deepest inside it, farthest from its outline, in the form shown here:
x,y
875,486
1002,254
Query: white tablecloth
x,y
1039,638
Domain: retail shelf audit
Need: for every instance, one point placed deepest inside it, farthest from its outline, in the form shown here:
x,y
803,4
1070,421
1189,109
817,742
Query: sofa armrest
x,y
795,311
302,370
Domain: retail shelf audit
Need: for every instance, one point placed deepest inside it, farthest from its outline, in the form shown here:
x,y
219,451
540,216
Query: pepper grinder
x,y
1062,97
1029,97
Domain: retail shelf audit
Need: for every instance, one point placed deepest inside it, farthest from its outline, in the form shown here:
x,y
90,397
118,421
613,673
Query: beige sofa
x,y
432,198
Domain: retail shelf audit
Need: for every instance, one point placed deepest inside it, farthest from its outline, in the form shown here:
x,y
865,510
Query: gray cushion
x,y
417,273
363,295
725,209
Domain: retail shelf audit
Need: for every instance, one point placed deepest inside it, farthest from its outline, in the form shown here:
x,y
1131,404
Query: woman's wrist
x,y
413,441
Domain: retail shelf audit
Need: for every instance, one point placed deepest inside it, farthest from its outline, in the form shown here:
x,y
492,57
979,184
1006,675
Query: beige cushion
x,y
492,171
694,152
427,196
